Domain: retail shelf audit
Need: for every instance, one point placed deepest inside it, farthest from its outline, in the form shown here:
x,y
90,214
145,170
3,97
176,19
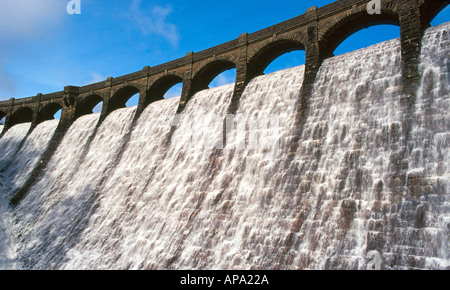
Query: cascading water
x,y
26,158
10,143
364,188
16,166
149,201
72,191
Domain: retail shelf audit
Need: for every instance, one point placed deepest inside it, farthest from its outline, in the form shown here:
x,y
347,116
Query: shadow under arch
x,y
121,97
267,54
2,122
160,87
351,24
87,105
22,115
431,9
203,78
48,112
2,116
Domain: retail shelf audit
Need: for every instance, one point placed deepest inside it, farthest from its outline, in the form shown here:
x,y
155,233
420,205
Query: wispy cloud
x,y
20,22
29,18
95,78
153,21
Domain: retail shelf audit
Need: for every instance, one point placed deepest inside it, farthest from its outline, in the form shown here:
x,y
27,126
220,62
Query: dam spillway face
x,y
358,180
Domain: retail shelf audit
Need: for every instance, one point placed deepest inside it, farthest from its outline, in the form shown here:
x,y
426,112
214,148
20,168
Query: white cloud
x,y
22,21
154,21
95,78
29,18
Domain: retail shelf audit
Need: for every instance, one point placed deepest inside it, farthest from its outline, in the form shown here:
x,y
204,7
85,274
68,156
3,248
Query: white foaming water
x,y
62,200
358,185
344,153
241,214
59,168
17,168
27,157
124,194
430,151
143,200
10,142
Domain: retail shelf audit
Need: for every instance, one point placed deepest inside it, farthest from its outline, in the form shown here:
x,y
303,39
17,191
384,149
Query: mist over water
x,y
367,186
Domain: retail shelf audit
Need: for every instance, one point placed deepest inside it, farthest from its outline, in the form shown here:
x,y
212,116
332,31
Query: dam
x,y
341,163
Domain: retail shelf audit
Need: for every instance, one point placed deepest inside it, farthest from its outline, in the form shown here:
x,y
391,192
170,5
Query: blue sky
x,y
44,48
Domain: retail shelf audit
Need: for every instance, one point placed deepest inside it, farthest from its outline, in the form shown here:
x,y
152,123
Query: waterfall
x,y
9,144
11,141
26,158
366,187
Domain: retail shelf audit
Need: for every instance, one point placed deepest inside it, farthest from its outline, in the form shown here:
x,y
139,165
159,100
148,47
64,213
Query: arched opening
x,y
133,101
204,78
51,111
225,78
436,12
367,37
347,27
259,64
174,91
57,115
2,119
167,87
442,17
90,105
285,61
22,115
98,108
121,98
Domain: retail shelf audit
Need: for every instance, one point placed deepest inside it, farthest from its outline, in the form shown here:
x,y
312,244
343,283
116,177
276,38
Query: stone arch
x,y
48,112
160,87
335,33
270,50
21,115
207,73
121,96
86,105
